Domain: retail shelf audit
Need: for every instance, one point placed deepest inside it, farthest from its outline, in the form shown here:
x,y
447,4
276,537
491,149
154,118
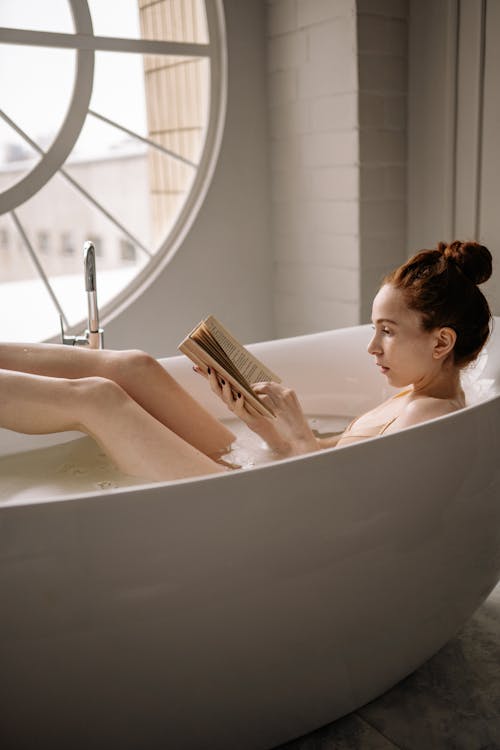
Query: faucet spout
x,y
89,266
94,333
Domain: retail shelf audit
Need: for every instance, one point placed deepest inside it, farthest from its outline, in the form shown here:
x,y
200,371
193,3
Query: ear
x,y
444,341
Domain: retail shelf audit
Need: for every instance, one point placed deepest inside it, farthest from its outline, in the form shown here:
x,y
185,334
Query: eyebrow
x,y
386,320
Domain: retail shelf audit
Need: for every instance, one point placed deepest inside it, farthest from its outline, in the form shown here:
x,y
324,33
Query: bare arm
x,y
287,432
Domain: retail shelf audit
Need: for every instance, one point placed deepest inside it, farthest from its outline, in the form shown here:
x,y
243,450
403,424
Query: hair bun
x,y
473,259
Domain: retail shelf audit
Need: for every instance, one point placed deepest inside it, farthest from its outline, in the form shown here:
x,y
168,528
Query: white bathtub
x,y
242,610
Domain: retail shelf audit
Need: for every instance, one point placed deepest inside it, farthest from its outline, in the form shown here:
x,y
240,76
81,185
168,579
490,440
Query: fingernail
x,y
209,370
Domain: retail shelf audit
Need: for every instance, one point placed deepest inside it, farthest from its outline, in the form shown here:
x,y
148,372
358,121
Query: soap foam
x,y
80,466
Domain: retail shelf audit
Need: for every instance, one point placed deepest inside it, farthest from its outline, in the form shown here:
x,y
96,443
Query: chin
x,y
395,381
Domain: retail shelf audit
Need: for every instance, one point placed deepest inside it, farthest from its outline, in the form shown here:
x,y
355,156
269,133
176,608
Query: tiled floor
x,y
451,703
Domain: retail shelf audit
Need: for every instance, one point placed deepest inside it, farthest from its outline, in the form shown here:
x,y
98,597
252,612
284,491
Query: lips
x,y
383,369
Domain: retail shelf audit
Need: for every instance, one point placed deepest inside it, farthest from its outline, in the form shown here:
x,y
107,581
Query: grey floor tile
x,y
451,703
428,722
349,733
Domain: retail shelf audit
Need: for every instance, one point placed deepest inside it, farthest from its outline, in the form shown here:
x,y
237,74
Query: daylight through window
x,y
112,141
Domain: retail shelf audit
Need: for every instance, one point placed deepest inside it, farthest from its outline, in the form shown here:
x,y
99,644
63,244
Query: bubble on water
x,y
79,466
106,485
250,450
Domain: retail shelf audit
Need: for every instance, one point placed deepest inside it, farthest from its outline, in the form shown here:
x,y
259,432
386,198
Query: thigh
x,y
57,360
140,376
36,403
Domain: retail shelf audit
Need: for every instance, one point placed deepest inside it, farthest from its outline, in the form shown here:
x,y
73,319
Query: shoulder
x,y
424,408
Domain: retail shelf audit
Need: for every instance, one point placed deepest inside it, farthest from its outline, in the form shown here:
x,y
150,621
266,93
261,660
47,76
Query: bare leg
x,y
137,442
141,376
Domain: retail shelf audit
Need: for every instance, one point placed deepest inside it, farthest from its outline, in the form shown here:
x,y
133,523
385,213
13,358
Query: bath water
x,y
249,450
80,466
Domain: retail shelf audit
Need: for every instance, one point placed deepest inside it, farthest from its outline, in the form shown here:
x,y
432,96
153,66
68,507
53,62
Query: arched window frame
x,y
52,161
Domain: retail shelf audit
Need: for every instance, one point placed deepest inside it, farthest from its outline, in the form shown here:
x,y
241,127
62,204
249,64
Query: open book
x,y
211,345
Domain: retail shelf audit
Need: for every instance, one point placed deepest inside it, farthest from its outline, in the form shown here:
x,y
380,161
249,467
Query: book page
x,y
201,357
249,366
210,346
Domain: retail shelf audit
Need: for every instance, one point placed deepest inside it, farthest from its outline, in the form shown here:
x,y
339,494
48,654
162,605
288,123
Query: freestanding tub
x,y
242,610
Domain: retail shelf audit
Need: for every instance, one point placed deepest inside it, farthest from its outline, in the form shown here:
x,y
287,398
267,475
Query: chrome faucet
x,y
94,335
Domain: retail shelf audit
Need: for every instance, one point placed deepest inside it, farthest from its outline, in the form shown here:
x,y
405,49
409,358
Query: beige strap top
x,y
375,429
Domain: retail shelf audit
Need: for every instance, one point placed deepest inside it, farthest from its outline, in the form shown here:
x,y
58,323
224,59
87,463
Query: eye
x,y
386,331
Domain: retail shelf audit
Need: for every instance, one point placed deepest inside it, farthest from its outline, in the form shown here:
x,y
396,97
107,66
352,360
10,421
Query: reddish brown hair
x,y
442,285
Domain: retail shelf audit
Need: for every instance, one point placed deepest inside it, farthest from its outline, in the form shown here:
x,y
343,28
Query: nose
x,y
374,346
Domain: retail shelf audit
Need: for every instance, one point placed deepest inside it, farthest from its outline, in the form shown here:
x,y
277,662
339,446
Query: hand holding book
x,y
210,345
249,389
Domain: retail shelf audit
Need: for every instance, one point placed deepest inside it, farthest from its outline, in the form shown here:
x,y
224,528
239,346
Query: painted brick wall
x,y
314,155
383,84
337,83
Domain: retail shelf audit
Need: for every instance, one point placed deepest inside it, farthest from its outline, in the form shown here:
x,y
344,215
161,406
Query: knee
x,y
140,361
131,363
95,401
98,393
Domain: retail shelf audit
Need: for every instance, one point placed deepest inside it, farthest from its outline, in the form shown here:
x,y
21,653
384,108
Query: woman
x,y
430,320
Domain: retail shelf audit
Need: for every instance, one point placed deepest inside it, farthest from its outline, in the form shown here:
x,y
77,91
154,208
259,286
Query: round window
x,y
110,122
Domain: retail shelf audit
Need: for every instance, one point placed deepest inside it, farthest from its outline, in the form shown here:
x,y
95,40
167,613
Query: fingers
x,y
199,371
229,396
278,394
251,410
215,381
209,374
268,402
222,389
273,390
234,400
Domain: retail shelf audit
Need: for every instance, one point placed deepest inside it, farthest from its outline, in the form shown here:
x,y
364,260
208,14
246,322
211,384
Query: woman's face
x,y
403,350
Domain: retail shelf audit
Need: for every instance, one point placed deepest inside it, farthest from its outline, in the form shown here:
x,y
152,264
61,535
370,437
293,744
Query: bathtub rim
x,y
283,345
271,466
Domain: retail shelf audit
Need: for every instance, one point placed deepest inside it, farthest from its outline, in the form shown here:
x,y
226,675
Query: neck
x,y
445,383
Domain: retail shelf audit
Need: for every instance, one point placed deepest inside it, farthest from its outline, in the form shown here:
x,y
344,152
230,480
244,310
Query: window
x,y
97,242
121,136
43,242
4,239
127,251
67,244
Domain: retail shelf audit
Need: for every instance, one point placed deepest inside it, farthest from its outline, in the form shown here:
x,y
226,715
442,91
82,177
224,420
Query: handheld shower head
x,y
89,266
95,334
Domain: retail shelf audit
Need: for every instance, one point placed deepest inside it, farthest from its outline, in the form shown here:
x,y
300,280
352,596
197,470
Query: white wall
x,y
313,108
225,263
337,103
307,209
336,149
383,81
454,116
304,250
